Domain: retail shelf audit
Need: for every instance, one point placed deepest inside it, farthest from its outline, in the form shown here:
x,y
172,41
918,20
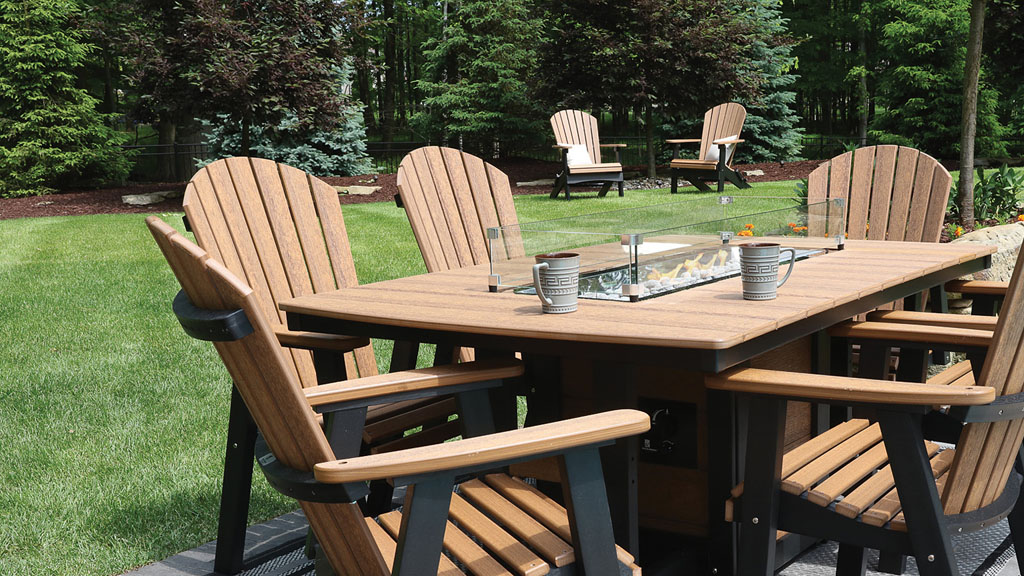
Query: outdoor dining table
x,y
649,354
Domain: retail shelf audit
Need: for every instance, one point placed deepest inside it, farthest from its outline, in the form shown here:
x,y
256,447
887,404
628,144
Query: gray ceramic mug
x,y
759,269
556,278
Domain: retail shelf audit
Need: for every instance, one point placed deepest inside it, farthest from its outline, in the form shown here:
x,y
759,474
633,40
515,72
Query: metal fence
x,y
386,156
183,158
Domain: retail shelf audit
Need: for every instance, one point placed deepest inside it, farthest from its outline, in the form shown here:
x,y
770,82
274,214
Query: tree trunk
x,y
865,103
969,118
246,128
166,134
652,169
387,109
109,96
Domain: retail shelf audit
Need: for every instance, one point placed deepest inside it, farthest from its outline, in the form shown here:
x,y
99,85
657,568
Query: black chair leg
x,y
675,182
904,442
892,562
762,481
852,561
621,191
1016,517
237,483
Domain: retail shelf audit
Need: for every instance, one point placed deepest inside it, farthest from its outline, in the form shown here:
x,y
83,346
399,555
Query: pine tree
x,y
770,129
923,87
338,150
479,76
51,134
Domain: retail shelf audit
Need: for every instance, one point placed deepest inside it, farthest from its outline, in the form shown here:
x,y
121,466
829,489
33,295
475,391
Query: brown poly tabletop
x,y
616,349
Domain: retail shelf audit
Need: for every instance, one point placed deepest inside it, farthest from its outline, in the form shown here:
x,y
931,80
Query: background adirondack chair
x,y
283,231
723,125
325,473
578,128
888,488
451,198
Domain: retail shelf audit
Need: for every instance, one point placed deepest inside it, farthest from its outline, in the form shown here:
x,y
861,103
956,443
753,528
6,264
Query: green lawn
x,y
112,421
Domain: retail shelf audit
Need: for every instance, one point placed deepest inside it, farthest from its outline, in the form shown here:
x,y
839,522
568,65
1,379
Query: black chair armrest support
x,y
302,485
210,325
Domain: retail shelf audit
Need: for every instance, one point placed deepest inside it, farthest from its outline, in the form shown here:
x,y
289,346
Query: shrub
x,y
995,195
339,151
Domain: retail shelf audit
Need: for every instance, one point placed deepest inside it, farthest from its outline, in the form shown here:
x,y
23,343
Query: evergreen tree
x,y
51,134
770,129
479,72
921,91
338,150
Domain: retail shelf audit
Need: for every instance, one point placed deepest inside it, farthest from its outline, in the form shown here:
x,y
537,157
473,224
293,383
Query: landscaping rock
x,y
1008,238
357,190
542,182
753,172
150,197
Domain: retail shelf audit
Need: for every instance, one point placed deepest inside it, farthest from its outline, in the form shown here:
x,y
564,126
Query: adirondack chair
x,y
891,192
575,132
324,472
723,125
283,231
451,198
883,485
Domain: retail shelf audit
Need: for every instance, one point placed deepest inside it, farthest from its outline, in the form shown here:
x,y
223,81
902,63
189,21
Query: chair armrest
x,y
979,287
683,141
846,389
724,141
318,340
917,333
561,146
935,319
493,449
613,145
376,389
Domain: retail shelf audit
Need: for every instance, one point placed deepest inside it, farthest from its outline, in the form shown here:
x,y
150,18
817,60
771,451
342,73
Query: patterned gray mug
x,y
759,269
556,278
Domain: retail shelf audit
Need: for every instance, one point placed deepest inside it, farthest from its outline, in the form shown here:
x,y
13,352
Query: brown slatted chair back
x,y
891,192
451,199
266,380
720,122
577,127
281,231
986,452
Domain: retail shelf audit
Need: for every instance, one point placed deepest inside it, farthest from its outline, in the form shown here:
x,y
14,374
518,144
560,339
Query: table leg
x,y
504,405
403,356
723,474
615,387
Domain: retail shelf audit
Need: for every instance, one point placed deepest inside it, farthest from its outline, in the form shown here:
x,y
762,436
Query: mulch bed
x,y
108,200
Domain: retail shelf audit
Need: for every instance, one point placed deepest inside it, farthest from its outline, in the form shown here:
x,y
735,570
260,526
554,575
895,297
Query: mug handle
x,y
792,261
536,282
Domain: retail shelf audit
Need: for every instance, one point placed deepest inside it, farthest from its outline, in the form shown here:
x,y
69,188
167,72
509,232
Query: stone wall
x,y
1008,238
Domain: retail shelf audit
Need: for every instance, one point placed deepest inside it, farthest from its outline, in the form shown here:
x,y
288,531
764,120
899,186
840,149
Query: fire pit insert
x,y
641,253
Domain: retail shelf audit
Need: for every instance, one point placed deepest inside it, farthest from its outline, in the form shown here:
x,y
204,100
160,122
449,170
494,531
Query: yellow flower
x,y
748,226
1020,217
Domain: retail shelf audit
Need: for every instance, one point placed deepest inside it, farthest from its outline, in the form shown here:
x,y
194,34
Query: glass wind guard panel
x,y
639,253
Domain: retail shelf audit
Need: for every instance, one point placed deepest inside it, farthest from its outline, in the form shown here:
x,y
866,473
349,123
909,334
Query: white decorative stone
x,y
542,182
754,172
357,190
150,197
1008,239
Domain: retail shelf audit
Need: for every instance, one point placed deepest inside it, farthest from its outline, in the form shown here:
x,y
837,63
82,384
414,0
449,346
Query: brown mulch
x,y
108,200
